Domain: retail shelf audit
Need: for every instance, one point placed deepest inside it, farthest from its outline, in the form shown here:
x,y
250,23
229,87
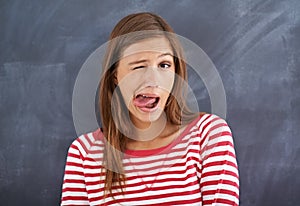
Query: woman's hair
x,y
132,29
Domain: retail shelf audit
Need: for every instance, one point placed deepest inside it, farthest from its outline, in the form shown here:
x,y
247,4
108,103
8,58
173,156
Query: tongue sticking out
x,y
144,101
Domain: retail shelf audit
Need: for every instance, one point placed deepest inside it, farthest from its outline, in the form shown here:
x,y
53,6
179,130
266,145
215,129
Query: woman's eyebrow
x,y
165,54
138,62
144,60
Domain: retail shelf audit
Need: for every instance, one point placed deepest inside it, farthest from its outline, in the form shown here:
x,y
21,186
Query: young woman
x,y
151,150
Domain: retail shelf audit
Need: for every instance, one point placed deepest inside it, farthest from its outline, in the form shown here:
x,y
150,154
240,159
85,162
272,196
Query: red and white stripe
x,y
198,168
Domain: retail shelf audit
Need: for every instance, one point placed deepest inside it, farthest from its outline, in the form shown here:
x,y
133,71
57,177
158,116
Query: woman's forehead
x,y
155,44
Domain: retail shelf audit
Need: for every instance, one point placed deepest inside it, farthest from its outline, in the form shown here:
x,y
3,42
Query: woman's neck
x,y
163,138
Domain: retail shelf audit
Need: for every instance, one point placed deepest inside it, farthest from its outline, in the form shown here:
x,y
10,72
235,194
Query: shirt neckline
x,y
163,149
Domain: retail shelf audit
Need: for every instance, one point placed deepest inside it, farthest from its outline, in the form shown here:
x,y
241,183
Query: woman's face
x,y
145,75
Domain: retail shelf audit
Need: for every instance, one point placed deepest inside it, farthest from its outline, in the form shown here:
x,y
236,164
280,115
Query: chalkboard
x,y
253,44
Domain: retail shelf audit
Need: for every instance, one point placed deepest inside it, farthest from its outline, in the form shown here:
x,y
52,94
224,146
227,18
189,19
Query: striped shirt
x,y
198,168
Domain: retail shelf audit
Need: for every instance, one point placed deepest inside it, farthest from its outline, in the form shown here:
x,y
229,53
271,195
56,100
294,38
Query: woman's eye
x,y
138,67
165,65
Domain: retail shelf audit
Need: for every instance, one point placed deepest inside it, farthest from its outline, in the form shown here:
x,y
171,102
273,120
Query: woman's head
x,y
133,31
144,70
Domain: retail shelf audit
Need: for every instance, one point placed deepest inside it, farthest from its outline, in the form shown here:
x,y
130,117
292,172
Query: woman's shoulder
x,y
204,120
206,125
88,143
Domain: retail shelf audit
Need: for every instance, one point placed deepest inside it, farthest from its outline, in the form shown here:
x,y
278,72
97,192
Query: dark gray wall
x,y
255,46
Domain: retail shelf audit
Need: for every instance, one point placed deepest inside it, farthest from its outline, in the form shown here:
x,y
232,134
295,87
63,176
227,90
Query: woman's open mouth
x,y
146,102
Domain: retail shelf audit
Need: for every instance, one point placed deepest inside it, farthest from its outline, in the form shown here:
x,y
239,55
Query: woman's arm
x,y
219,177
74,188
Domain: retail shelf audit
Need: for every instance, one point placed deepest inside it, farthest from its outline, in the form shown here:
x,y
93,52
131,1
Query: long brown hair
x,y
176,109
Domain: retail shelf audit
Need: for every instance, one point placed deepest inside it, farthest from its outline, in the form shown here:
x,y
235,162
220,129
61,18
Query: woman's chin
x,y
146,116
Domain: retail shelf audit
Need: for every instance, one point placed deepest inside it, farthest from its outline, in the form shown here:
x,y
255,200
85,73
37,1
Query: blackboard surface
x,y
255,46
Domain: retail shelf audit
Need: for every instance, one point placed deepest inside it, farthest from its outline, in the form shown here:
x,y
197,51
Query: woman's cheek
x,y
128,85
167,80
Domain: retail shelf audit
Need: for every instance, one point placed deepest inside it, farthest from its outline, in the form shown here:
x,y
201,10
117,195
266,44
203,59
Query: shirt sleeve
x,y
219,176
74,188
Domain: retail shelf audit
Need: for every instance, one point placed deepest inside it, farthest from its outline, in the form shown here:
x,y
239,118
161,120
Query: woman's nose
x,y
157,77
152,75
